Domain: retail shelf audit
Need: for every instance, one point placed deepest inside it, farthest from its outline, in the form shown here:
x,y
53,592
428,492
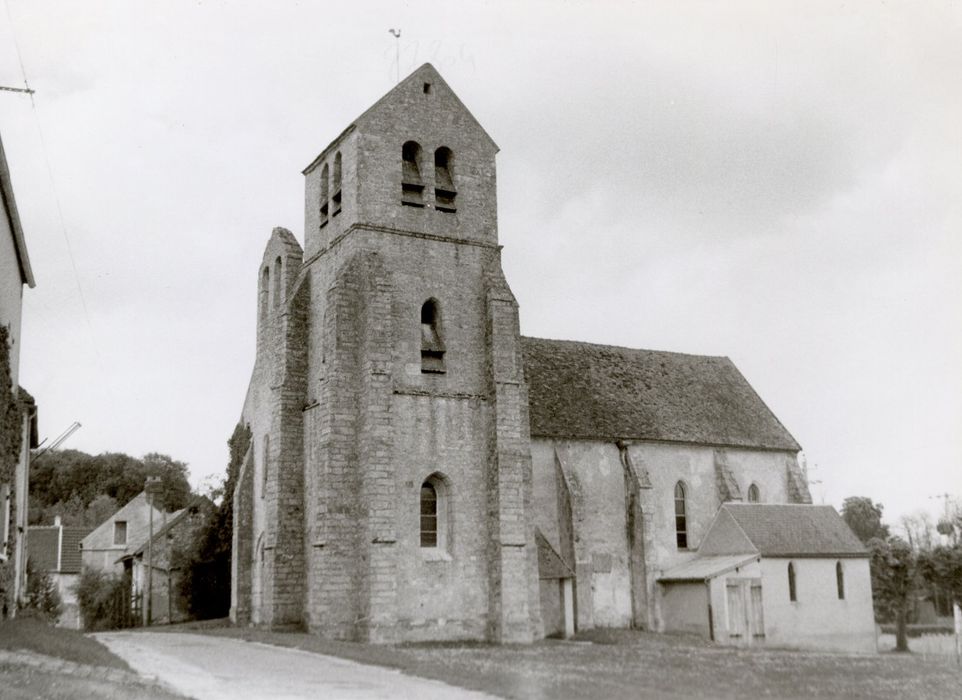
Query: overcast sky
x,y
780,183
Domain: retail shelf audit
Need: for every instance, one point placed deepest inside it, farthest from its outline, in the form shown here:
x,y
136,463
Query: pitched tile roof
x,y
581,390
792,530
42,546
70,555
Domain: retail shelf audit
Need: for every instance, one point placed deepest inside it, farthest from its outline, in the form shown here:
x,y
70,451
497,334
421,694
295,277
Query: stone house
x,y
56,550
119,535
781,575
165,553
419,469
15,274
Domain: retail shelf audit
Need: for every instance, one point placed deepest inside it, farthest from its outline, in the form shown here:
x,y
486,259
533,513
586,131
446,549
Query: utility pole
x,y
152,487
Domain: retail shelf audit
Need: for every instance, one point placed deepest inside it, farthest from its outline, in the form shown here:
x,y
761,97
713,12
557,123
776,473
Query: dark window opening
x,y
336,186
681,517
432,347
412,187
840,580
120,532
792,595
753,494
444,192
427,88
278,267
324,195
429,515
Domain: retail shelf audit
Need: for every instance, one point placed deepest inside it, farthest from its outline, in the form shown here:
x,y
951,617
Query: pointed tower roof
x,y
426,74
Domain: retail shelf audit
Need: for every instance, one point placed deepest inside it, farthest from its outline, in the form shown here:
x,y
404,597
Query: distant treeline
x,y
84,490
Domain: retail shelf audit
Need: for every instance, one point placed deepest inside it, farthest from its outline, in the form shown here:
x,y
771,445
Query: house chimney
x,y
56,521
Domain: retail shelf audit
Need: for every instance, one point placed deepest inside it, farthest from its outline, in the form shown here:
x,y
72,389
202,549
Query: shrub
x,y
104,601
42,596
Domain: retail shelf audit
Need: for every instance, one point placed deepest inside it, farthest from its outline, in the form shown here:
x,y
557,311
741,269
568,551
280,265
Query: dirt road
x,y
215,668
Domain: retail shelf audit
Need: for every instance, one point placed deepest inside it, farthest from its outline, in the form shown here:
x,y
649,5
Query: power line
x,y
53,182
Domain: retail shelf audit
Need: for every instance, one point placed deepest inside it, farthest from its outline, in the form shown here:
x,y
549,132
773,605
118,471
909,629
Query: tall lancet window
x,y
432,347
444,192
412,186
336,186
681,517
325,195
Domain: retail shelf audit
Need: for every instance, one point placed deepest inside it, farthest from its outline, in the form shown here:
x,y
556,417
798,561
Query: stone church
x,y
419,470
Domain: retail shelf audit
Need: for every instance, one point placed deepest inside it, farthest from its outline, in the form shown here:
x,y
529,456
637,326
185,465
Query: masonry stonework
x,y
390,364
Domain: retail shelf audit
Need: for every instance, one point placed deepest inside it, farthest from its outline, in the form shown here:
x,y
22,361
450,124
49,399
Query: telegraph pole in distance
x,y
152,487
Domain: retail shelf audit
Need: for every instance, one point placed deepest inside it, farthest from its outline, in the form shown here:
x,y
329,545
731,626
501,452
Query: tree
x,y
42,595
920,531
206,581
893,568
942,567
865,518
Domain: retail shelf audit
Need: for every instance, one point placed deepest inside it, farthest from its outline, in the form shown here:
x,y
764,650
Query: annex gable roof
x,y
602,392
55,548
426,73
795,530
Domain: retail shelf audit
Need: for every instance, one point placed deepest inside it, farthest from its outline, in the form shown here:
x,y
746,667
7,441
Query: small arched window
x,y
429,515
266,460
840,580
792,594
444,192
265,291
432,347
412,186
681,517
325,195
434,513
278,266
336,186
754,495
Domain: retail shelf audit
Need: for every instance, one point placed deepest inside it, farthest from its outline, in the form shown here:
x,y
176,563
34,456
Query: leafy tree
x,y
893,568
865,518
103,600
942,567
920,531
206,581
80,488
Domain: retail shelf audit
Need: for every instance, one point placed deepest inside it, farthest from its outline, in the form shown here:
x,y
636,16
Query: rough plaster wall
x,y
601,537
685,607
818,619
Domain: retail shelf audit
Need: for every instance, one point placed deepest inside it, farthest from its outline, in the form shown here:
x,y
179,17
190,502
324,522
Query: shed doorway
x,y
743,601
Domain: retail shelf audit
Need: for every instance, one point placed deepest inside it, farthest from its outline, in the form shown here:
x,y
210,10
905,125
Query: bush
x,y
42,596
104,601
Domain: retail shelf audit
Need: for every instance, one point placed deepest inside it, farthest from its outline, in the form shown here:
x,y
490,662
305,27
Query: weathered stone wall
x,y
595,475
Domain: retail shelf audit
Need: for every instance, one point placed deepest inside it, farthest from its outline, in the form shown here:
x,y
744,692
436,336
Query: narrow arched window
x,y
681,517
266,460
429,515
840,580
432,347
325,194
792,594
412,186
336,186
444,191
278,299
264,293
754,496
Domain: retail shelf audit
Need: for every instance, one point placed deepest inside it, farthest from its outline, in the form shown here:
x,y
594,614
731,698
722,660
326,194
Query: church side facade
x,y
419,470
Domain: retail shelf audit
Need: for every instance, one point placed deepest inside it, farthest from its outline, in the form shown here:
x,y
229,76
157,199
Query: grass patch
x,y
631,664
31,634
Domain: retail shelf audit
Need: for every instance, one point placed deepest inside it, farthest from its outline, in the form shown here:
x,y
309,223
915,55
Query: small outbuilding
x,y
787,575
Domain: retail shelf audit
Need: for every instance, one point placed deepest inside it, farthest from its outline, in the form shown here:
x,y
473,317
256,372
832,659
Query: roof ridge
x,y
607,346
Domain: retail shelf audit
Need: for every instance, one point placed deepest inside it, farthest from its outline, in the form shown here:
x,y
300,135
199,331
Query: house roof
x,y
796,530
703,568
44,547
586,391
13,218
172,520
